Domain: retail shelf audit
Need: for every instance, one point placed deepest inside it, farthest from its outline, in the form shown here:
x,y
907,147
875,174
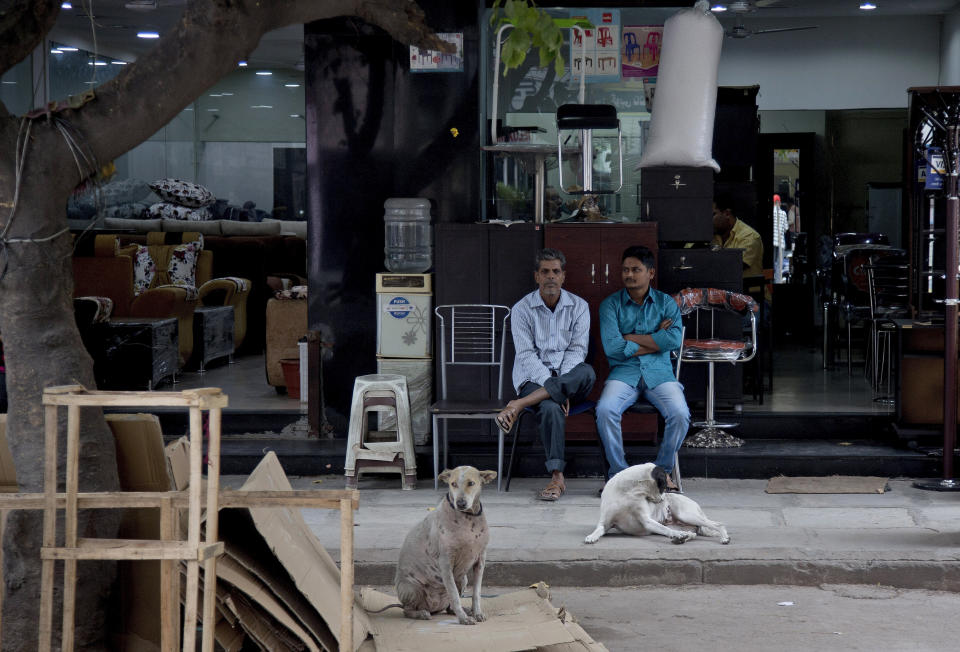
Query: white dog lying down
x,y
633,502
439,553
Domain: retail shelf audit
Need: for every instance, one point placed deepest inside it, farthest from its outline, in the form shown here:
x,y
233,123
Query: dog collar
x,y
478,513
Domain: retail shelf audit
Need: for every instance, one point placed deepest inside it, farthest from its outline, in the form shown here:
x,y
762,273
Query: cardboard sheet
x,y
289,537
521,620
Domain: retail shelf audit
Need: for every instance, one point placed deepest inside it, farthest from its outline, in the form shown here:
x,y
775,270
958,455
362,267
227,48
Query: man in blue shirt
x,y
551,329
639,326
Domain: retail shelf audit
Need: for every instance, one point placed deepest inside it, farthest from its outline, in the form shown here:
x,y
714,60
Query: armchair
x,y
108,271
227,291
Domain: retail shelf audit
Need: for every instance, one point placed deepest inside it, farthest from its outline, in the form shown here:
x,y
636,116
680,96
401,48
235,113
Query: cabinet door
x,y
462,263
580,243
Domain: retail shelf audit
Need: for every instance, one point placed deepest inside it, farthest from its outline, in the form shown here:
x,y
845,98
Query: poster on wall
x,y
599,56
436,61
640,50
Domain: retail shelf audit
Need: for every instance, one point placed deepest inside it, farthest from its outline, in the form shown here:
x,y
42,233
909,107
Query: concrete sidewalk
x,y
906,537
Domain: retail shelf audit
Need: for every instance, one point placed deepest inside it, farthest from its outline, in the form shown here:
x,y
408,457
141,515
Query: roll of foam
x,y
681,123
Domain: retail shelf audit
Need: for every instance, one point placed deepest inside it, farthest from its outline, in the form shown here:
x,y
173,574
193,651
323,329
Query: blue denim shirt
x,y
620,315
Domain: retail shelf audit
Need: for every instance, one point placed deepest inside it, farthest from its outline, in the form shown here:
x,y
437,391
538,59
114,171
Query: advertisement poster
x,y
435,61
640,50
600,56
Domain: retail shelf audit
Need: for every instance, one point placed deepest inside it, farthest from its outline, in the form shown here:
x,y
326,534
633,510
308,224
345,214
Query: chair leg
x,y
676,472
513,449
712,434
499,459
436,452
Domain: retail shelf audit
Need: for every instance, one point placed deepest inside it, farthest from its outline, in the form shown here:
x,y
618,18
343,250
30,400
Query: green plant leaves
x,y
532,28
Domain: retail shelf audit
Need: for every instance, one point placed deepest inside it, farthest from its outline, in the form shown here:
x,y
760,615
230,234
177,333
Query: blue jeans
x,y
669,400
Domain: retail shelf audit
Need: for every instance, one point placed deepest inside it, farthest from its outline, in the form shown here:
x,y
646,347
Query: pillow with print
x,y
181,192
144,270
182,268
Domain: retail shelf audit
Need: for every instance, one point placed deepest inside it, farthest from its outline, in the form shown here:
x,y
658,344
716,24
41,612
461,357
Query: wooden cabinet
x,y
593,273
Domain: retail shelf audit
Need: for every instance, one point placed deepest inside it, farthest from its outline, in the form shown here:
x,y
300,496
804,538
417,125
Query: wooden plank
x,y
169,582
49,527
193,530
346,575
70,526
134,550
306,498
138,399
213,492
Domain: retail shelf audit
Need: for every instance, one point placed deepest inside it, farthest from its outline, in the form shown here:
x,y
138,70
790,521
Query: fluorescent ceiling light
x,y
261,106
294,115
867,6
213,109
292,85
264,73
67,48
56,51
718,8
226,94
119,63
66,5
148,35
96,63
242,64
8,82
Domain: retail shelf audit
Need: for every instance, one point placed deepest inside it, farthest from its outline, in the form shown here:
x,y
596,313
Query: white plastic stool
x,y
372,393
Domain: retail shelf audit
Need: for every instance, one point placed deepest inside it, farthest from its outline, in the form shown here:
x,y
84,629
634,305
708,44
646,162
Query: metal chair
x,y
888,280
471,336
706,347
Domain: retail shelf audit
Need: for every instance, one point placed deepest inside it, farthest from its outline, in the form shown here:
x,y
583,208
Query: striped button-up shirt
x,y
548,341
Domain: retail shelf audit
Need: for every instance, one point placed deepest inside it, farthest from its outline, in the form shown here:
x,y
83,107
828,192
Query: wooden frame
x,y
169,550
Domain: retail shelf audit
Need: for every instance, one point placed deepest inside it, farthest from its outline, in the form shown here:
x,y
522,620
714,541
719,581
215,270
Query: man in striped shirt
x,y
550,333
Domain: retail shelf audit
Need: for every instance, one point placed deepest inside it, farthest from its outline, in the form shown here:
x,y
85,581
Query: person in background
x,y
731,233
639,327
550,335
779,243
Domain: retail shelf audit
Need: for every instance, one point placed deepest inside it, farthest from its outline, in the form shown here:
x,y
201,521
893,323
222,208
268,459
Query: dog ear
x,y
445,475
488,476
660,477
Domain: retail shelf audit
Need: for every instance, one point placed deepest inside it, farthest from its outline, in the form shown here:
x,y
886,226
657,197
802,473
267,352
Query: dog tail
x,y
389,606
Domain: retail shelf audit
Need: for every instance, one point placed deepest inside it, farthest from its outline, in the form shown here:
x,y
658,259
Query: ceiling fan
x,y
741,7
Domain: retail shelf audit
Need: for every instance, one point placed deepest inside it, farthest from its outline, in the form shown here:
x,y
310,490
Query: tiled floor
x,y
800,385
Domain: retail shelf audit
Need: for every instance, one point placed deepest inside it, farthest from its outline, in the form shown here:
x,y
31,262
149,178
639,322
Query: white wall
x,y
240,172
847,63
950,57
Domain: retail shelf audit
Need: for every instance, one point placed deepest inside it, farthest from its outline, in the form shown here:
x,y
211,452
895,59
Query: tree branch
x,y
23,25
205,45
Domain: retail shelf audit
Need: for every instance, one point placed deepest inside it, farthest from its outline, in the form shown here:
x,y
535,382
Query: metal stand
x,y
951,299
712,435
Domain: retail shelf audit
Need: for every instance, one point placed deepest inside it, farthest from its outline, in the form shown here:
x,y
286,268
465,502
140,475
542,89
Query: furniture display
x,y
134,352
212,334
366,452
286,323
470,337
706,346
679,269
593,273
680,201
888,280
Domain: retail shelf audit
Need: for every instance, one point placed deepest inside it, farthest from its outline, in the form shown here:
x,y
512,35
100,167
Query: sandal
x,y
552,491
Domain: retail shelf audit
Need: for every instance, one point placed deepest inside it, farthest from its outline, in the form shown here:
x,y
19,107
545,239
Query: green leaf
x,y
559,65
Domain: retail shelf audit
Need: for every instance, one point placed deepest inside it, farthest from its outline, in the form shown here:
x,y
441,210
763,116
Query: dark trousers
x,y
574,386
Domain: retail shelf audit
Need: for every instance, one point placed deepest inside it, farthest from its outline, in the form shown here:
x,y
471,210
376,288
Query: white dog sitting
x,y
633,502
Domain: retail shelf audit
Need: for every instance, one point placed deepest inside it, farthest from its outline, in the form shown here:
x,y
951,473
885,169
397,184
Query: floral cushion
x,y
167,210
182,192
144,270
181,267
296,292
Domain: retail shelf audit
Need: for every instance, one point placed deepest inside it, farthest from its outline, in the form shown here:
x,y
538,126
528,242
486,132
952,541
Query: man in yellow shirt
x,y
731,233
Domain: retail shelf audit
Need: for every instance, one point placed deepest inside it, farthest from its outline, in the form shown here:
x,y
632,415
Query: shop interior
x,y
842,158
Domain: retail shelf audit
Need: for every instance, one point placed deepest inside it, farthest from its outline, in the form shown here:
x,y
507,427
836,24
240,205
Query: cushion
x,y
133,211
209,227
183,193
141,226
291,227
170,211
144,270
165,265
229,227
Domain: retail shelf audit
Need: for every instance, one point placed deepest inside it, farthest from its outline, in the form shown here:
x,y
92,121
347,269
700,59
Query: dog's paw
x,y
591,538
479,617
417,614
467,620
725,540
682,537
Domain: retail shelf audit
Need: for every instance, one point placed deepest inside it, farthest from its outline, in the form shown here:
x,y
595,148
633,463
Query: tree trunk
x,y
43,348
